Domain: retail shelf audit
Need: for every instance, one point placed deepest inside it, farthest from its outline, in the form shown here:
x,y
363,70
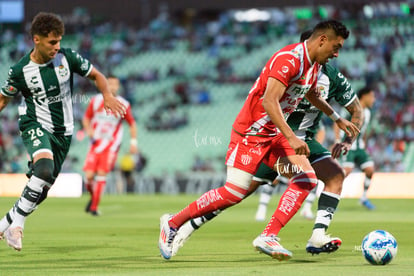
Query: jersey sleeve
x,y
284,67
77,63
129,118
344,95
10,87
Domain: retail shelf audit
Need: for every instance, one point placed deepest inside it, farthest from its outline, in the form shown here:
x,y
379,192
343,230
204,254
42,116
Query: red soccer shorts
x,y
102,161
248,152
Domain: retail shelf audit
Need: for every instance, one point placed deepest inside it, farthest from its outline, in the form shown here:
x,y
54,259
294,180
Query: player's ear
x,y
36,39
322,39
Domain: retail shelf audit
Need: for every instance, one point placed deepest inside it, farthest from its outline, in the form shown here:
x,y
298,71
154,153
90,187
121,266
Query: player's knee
x,y
239,178
306,180
43,169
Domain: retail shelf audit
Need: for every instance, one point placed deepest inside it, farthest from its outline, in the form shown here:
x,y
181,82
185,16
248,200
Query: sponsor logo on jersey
x,y
85,65
292,61
348,94
34,80
256,151
280,73
58,98
51,87
246,159
36,143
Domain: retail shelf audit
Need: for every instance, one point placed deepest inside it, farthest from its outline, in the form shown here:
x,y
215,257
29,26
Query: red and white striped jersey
x,y
292,66
107,129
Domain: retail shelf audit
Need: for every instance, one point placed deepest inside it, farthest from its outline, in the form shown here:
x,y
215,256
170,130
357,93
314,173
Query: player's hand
x,y
113,106
340,149
317,91
299,146
349,128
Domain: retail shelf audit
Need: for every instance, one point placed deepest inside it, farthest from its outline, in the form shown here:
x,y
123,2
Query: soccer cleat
x,y
14,237
322,244
183,234
166,238
307,214
270,246
367,204
95,213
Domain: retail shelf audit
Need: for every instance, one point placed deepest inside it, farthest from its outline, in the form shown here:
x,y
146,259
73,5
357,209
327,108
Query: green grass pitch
x,y
61,239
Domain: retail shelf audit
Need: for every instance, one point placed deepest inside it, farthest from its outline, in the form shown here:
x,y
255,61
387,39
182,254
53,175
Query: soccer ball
x,y
379,247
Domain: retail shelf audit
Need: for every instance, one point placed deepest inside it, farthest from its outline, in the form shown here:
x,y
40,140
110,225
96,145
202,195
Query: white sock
x,y
28,200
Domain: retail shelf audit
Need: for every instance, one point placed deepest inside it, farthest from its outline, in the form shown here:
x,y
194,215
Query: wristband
x,y
133,142
334,116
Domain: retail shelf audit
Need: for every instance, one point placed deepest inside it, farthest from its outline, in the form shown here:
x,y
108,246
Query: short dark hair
x,y
363,91
44,23
305,35
339,28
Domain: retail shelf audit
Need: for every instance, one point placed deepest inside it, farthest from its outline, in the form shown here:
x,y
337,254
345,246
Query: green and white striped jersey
x,y
47,89
304,121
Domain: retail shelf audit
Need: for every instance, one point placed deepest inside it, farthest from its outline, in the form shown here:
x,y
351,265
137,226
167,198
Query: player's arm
x,y
348,127
111,103
357,118
4,101
275,90
133,131
86,123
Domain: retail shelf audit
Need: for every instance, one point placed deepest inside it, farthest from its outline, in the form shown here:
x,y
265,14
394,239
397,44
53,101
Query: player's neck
x,y
36,57
311,46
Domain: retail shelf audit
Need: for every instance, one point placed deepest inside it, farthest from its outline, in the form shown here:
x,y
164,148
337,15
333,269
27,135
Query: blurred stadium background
x,y
187,67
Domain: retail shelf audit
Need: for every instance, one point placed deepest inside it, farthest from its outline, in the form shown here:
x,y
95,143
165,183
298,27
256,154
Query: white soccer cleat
x,y
307,214
270,246
183,234
14,237
323,243
166,238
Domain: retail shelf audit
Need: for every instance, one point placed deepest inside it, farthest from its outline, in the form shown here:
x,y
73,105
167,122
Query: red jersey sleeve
x,y
284,67
129,118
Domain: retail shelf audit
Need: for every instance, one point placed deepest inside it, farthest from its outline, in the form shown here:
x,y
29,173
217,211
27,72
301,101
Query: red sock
x,y
290,202
210,201
97,192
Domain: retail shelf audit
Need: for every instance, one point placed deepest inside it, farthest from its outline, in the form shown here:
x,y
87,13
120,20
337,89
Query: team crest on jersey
x,y
322,91
285,69
63,71
246,159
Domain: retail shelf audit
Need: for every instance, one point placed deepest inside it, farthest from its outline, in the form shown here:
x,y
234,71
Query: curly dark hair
x,y
44,23
339,28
